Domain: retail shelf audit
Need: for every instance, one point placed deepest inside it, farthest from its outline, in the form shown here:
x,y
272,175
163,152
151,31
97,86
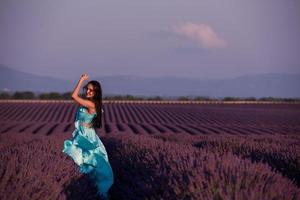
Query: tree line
x,y
67,96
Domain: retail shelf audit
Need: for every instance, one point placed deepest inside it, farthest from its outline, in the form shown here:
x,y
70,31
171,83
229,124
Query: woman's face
x,y
90,91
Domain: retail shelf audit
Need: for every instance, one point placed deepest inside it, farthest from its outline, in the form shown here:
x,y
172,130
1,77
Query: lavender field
x,y
157,151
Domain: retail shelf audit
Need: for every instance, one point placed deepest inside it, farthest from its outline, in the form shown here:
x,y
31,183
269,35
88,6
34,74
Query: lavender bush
x,y
148,168
280,152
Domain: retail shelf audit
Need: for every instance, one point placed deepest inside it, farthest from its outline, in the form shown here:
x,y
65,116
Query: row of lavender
x,y
39,118
63,112
191,129
156,167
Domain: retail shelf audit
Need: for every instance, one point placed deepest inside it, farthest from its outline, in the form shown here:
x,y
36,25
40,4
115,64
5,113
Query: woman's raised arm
x,y
77,98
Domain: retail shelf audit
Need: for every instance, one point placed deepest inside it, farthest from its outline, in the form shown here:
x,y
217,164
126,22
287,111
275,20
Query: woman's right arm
x,y
78,86
77,98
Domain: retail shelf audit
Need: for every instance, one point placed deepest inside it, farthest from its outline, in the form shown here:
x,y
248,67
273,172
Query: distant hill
x,y
260,85
13,80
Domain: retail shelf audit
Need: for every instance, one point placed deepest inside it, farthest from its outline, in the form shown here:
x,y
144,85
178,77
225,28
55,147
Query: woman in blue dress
x,y
85,147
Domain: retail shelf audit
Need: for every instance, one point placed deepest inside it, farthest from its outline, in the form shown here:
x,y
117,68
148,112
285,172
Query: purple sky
x,y
202,39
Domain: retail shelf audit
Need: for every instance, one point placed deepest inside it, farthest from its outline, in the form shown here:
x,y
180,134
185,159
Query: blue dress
x,y
89,153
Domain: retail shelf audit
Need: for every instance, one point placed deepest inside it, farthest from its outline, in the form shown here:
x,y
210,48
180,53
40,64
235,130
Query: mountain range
x,y
259,85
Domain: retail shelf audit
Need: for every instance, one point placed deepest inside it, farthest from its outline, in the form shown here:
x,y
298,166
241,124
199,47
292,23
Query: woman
x,y
85,148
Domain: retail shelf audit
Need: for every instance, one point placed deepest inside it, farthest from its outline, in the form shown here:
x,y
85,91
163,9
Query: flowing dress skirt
x,y
88,152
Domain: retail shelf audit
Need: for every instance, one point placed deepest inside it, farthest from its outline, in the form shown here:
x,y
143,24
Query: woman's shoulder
x,y
81,107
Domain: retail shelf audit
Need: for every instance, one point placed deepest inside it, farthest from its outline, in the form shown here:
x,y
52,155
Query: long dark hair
x,y
97,99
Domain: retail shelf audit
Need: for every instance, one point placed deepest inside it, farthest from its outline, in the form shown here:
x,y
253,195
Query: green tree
x,y
24,95
267,99
5,95
231,99
183,98
50,96
55,95
202,98
156,98
129,97
67,95
250,99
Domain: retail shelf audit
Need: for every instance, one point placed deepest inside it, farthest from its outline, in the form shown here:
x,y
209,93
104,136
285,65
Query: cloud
x,y
203,34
